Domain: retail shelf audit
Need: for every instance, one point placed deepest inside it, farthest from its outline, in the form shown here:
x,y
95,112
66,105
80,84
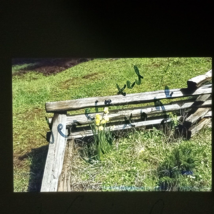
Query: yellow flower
x,y
97,121
106,110
106,118
98,117
101,128
103,121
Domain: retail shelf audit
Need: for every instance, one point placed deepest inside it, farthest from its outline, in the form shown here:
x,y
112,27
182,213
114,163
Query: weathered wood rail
x,y
145,97
196,82
65,127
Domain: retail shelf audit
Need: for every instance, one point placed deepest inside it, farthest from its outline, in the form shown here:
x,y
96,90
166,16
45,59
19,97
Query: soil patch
x,y
19,160
66,84
48,66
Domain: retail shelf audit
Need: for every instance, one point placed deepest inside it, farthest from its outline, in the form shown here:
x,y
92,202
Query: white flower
x,y
190,176
141,150
106,110
103,121
106,118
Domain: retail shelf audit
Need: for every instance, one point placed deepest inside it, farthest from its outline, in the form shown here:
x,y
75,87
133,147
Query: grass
x,y
136,160
97,78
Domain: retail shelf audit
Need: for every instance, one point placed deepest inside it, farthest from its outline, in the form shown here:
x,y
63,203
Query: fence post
x,y
55,156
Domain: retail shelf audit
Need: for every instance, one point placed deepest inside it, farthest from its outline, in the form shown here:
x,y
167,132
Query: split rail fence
x,y
65,128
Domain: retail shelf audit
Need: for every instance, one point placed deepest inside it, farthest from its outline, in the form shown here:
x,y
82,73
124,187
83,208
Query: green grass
x,y
128,166
96,78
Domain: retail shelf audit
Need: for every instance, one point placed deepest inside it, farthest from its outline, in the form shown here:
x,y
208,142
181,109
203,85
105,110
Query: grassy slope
x,y
93,78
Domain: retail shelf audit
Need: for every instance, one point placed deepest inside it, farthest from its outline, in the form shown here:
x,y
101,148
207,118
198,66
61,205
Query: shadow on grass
x,y
48,66
38,159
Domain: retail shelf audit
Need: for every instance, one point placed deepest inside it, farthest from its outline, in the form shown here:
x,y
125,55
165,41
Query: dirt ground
x,y
48,66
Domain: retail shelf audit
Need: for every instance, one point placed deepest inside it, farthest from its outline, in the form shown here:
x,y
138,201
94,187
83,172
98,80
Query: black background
x,y
38,29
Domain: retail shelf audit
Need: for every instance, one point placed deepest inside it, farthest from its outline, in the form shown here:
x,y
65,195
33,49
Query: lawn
x,y
125,165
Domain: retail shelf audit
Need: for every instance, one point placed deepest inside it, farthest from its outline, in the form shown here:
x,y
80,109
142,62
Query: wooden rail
x,y
56,180
196,82
136,112
83,132
116,100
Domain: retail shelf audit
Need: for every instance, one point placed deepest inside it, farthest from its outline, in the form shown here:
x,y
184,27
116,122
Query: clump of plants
x,y
173,127
103,138
178,165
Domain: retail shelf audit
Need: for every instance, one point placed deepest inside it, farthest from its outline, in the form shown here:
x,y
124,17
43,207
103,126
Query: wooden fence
x,y
65,127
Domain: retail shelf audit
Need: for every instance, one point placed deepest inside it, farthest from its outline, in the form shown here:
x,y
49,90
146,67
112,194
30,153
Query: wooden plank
x,y
206,86
209,73
208,114
55,156
136,112
201,112
203,97
209,124
60,184
88,132
196,82
64,180
193,130
121,100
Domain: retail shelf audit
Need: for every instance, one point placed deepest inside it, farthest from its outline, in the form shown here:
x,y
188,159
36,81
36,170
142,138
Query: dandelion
x,y
106,110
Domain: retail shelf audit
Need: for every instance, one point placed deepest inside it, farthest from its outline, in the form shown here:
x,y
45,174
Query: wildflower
x,y
97,121
100,128
103,121
141,150
106,118
106,110
98,117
